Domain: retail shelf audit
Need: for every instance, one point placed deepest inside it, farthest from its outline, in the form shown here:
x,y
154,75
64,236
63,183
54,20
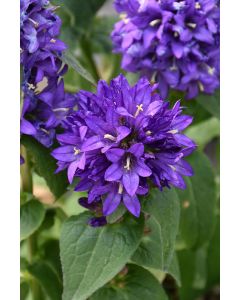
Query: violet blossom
x,y
122,138
174,42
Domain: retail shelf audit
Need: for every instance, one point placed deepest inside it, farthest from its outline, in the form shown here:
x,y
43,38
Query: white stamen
x,y
124,18
120,188
176,34
197,5
44,130
173,68
76,151
36,24
211,70
110,137
127,166
41,85
148,132
172,167
52,41
139,108
201,87
30,86
192,25
173,131
154,22
60,109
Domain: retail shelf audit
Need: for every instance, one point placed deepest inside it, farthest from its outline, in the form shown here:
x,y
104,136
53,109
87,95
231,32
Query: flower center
x,y
127,166
76,151
139,108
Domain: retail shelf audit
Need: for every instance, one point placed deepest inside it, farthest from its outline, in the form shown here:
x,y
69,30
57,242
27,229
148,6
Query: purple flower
x,y
176,42
121,139
45,103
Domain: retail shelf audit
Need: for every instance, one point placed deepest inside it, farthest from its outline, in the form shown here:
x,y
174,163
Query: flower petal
x,y
111,203
131,182
132,204
137,149
92,143
114,154
142,169
113,173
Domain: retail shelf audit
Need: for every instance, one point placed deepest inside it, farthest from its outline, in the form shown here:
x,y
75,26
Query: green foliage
x,y
45,166
203,132
82,11
211,103
198,204
24,290
31,217
70,60
47,278
136,284
92,256
156,249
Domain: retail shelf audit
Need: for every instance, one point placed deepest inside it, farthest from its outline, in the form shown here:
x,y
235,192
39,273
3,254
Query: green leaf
x,y
204,132
47,278
45,165
211,103
213,257
31,217
117,214
137,284
174,270
24,290
82,10
156,249
70,60
92,256
51,254
198,204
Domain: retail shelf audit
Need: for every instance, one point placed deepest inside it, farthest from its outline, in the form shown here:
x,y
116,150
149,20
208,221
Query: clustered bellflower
x,y
174,41
122,138
45,104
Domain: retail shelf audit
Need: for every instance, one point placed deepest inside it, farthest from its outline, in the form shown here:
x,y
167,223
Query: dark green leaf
x,y
49,219
137,284
51,254
69,59
117,214
82,10
92,256
45,165
213,258
211,103
157,246
204,132
47,278
24,290
31,217
174,270
198,204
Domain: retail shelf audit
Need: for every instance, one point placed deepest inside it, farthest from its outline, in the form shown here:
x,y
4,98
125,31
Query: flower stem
x,y
27,186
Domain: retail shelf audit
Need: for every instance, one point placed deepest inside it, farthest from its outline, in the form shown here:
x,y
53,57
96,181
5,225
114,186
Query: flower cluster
x,y
121,139
45,103
174,41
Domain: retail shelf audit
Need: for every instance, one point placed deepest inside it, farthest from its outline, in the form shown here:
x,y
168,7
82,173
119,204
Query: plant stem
x,y
27,186
26,175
